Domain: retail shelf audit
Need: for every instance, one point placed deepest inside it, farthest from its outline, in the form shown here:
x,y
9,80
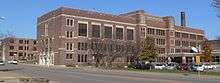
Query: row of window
x,y
22,41
96,31
190,36
22,48
160,41
155,31
185,43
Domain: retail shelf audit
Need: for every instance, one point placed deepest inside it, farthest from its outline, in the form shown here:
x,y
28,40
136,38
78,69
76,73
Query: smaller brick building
x,y
21,49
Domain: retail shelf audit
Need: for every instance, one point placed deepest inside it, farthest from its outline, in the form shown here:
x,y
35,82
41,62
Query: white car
x,y
209,66
198,67
171,66
13,62
2,63
159,66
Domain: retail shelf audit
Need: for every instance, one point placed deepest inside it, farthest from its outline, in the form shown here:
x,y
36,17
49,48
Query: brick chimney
x,y
183,19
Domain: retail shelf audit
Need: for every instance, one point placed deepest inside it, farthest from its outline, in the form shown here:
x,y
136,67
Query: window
x,y
21,41
172,42
177,50
11,47
143,32
11,40
160,32
82,46
69,46
150,31
185,43
26,48
34,48
11,53
177,43
96,31
82,58
69,34
119,33
161,50
82,29
193,44
69,56
108,32
199,37
20,48
69,22
172,50
192,36
177,34
26,41
160,41
185,35
35,42
130,34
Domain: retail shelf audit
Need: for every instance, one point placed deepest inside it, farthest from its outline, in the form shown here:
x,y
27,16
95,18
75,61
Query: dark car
x,y
182,66
143,66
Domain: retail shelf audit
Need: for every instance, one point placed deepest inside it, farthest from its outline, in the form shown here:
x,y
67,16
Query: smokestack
x,y
183,19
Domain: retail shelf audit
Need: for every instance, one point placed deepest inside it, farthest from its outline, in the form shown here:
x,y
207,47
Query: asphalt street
x,y
90,75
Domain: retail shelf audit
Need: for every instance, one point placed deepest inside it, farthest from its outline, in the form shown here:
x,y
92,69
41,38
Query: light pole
x,y
3,43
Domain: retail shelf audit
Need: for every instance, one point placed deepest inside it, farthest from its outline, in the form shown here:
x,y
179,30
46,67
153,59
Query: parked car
x,y
198,67
182,66
2,63
13,62
159,66
171,66
208,66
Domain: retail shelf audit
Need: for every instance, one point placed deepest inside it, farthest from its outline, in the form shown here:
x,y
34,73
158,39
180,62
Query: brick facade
x,y
54,28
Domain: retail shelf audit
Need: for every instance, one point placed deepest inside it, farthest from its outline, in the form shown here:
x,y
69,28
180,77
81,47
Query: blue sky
x,y
20,15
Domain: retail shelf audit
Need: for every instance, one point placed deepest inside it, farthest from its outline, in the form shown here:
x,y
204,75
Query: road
x,y
87,75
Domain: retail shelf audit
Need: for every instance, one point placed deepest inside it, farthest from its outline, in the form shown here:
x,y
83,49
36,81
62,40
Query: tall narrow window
x,y
119,33
108,32
96,31
69,22
130,34
82,29
69,46
69,34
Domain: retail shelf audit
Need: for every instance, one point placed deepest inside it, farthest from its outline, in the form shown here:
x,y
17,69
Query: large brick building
x,y
20,49
63,34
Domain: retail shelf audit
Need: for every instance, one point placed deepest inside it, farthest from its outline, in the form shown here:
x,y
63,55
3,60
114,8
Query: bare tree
x,y
106,51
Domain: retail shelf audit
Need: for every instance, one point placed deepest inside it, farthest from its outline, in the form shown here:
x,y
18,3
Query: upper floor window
x,y
177,34
119,33
143,32
96,31
11,47
160,32
160,41
11,40
108,32
130,34
69,56
82,46
69,22
69,46
150,31
26,41
192,36
199,37
185,35
161,50
20,48
185,43
69,34
21,41
35,42
82,28
177,43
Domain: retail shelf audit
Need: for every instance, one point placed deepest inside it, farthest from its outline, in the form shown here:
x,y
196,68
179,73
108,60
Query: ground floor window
x,y
82,58
215,58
